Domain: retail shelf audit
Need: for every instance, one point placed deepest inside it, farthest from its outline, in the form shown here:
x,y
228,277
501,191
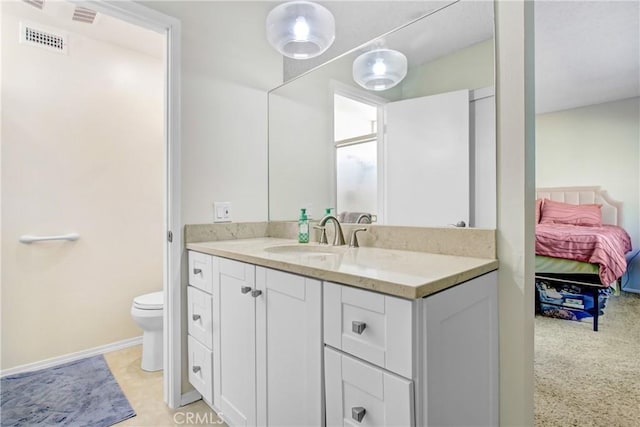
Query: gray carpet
x,y
79,393
587,378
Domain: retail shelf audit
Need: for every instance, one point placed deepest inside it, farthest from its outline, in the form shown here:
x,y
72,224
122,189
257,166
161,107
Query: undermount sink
x,y
305,249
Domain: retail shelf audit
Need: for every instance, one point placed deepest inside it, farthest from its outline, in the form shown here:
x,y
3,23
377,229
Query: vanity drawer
x,y
200,368
200,315
354,388
201,271
372,326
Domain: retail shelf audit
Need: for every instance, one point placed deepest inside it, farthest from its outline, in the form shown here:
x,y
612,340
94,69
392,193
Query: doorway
x,y
97,175
587,64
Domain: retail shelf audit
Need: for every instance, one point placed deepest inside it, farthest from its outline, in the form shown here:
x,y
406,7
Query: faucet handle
x,y
323,234
353,242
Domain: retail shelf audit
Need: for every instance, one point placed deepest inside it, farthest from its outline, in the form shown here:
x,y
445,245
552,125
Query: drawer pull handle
x,y
357,413
245,289
195,369
197,271
196,317
256,293
358,327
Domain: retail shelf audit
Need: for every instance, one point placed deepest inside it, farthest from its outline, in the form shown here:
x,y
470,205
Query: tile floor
x,y
144,391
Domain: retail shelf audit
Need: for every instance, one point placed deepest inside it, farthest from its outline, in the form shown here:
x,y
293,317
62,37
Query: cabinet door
x,y
461,347
235,363
360,394
289,349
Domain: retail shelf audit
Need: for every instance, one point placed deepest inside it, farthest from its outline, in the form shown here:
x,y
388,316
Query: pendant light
x,y
379,69
300,29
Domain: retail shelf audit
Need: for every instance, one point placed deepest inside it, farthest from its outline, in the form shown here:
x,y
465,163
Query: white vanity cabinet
x,y
200,324
426,362
385,360
267,350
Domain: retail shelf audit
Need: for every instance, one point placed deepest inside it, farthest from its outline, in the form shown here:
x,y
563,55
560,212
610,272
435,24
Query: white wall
x,y
301,156
594,145
301,143
515,234
227,69
82,150
468,68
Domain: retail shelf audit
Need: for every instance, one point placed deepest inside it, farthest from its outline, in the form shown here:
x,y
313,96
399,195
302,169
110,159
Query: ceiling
x,y
473,24
586,52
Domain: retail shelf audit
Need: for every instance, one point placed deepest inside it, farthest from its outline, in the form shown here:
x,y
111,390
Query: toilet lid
x,y
152,301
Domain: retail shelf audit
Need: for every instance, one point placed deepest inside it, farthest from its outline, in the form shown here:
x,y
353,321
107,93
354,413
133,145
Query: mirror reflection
x,y
415,149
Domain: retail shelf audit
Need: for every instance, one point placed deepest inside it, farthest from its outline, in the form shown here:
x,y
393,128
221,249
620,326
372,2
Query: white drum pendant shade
x,y
300,29
380,69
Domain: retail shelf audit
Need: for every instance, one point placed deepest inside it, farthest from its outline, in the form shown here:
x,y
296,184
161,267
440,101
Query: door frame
x,y
170,27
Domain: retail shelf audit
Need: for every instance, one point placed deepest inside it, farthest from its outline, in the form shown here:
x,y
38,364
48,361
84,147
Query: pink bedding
x,y
604,245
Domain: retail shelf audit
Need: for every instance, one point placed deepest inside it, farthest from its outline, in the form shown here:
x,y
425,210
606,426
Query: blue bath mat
x,y
79,393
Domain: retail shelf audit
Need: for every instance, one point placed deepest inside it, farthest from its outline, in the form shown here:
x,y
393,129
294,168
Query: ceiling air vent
x,y
47,39
82,14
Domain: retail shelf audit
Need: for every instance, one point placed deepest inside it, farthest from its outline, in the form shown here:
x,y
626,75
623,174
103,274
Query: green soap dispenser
x,y
303,227
327,211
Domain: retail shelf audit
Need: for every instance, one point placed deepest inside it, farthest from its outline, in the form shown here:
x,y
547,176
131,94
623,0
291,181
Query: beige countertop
x,y
405,274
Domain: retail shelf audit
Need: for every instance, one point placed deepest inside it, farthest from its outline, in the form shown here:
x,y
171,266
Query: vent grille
x,y
46,39
35,3
82,14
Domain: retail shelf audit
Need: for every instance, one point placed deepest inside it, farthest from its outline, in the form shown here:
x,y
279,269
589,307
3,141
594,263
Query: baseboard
x,y
47,363
190,397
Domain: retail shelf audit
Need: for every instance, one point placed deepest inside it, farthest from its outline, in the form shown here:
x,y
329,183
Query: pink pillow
x,y
565,213
539,204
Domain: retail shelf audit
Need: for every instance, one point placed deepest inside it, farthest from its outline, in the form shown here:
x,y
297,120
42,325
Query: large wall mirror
x,y
421,153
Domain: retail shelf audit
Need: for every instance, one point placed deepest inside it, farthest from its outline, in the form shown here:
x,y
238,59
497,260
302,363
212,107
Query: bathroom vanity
x,y
402,331
310,335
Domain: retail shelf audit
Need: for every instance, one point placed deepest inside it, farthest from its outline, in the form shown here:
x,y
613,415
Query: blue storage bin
x,y
630,280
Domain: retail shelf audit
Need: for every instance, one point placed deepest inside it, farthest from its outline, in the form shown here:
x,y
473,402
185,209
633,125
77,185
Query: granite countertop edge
x,y
253,251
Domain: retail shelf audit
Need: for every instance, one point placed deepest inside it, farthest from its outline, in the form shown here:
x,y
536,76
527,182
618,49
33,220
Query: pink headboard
x,y
583,196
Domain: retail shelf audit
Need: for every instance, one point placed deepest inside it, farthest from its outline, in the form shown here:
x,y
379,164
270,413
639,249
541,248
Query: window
x,y
356,142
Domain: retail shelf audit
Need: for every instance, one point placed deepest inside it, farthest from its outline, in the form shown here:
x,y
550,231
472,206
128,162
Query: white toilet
x,y
146,311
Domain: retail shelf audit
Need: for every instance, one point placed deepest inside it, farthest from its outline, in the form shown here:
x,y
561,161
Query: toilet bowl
x,y
147,311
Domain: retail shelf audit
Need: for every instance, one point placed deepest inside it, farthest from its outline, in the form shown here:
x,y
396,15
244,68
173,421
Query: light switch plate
x,y
221,211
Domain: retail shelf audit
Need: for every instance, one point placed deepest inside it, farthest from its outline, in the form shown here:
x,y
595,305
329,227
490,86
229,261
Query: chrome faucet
x,y
339,237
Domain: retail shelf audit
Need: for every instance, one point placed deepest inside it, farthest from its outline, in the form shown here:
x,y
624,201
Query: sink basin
x,y
306,249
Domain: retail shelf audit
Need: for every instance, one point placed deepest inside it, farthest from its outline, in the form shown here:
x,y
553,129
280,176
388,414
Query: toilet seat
x,y
151,301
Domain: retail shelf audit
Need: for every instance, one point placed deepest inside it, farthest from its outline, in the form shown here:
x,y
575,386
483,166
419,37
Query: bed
x,y
580,251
